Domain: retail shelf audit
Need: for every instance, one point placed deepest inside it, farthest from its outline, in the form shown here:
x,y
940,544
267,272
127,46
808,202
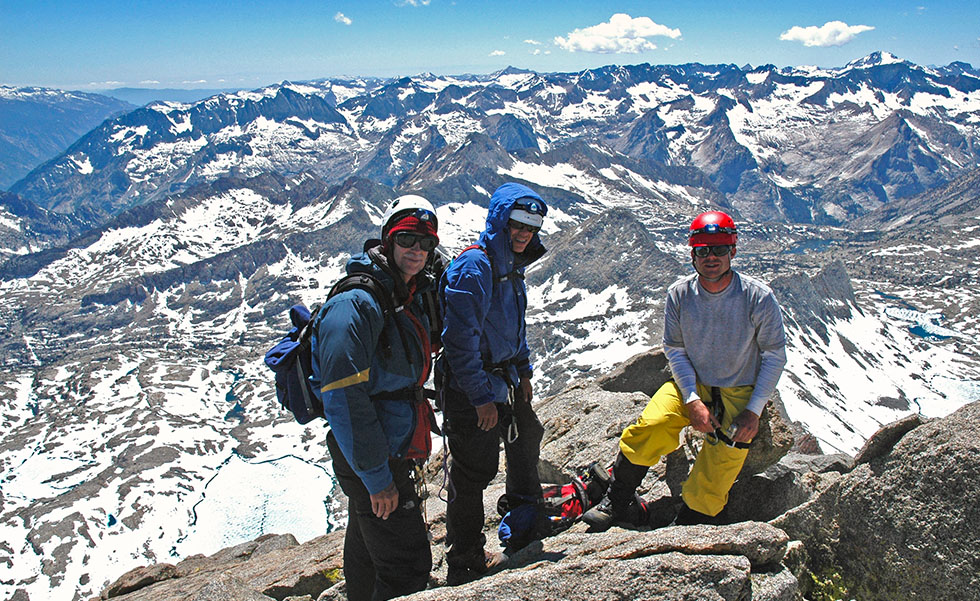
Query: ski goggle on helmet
x,y
713,228
408,219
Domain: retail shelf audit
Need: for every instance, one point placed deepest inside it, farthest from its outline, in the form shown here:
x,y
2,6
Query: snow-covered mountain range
x,y
140,424
797,144
37,124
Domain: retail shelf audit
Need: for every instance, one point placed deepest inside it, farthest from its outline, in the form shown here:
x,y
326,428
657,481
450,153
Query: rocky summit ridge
x,y
894,522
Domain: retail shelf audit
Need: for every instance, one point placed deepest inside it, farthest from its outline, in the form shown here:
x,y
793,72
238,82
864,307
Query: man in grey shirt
x,y
724,339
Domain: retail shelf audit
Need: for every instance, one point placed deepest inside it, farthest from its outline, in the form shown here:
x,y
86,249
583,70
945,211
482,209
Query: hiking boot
x,y
467,569
689,517
605,515
597,480
663,511
599,518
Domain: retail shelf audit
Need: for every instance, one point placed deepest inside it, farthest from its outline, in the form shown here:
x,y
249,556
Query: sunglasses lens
x,y
408,240
718,251
517,225
405,240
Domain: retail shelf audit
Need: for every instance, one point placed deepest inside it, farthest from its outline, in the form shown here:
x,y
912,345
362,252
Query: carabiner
x,y
512,426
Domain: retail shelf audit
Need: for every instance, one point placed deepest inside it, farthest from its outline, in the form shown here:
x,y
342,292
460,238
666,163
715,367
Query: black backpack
x,y
292,358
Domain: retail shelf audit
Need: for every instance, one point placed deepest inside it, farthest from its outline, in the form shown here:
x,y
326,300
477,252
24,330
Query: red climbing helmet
x,y
713,228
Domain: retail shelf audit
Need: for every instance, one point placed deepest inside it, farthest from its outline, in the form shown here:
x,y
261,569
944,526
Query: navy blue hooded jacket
x,y
484,314
349,368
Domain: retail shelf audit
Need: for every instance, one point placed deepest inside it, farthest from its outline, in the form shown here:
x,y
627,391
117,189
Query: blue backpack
x,y
291,360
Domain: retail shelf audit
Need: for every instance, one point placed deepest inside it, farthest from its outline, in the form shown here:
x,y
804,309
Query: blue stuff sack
x,y
292,362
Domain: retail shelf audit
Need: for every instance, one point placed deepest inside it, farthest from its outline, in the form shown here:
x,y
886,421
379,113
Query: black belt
x,y
416,393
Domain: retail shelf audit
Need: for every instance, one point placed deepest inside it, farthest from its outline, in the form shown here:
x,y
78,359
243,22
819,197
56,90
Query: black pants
x,y
382,558
474,463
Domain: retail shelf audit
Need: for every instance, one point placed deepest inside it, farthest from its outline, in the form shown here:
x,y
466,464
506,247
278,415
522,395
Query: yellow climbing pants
x,y
657,432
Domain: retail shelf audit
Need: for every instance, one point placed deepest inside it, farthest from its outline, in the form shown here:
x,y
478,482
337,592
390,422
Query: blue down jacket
x,y
483,314
350,367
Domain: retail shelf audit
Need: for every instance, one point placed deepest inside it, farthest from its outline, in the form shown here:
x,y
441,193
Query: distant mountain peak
x,y
509,70
875,59
960,67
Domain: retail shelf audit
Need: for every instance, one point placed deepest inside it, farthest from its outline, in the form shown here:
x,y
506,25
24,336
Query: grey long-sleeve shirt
x,y
731,338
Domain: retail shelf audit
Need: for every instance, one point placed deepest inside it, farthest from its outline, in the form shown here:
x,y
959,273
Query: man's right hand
x,y
486,416
701,418
385,501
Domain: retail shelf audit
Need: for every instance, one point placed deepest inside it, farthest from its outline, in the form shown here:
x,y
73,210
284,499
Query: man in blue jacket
x,y
370,369
487,373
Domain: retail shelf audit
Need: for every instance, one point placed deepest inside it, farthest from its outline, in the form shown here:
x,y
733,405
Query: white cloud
x,y
532,42
621,35
414,2
342,18
147,82
195,81
497,53
832,33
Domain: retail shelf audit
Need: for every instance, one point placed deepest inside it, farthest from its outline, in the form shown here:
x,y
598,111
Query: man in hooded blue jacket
x,y
487,371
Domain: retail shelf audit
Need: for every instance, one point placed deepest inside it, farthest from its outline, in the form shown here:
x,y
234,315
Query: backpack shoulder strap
x,y
475,247
493,271
304,334
384,298
373,285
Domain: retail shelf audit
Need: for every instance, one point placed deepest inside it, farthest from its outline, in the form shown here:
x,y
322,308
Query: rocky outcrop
x,y
270,567
735,562
695,562
794,480
900,525
904,524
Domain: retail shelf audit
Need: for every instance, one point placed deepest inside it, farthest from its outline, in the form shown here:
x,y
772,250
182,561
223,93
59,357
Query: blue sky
x,y
102,44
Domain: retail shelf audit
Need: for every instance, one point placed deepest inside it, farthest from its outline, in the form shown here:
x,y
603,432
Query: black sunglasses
x,y
517,225
408,240
718,251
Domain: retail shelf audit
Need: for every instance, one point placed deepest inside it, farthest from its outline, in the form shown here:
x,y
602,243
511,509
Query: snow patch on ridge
x,y
867,373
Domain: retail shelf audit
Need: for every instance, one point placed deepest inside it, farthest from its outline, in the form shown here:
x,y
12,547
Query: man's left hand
x,y
524,391
748,426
